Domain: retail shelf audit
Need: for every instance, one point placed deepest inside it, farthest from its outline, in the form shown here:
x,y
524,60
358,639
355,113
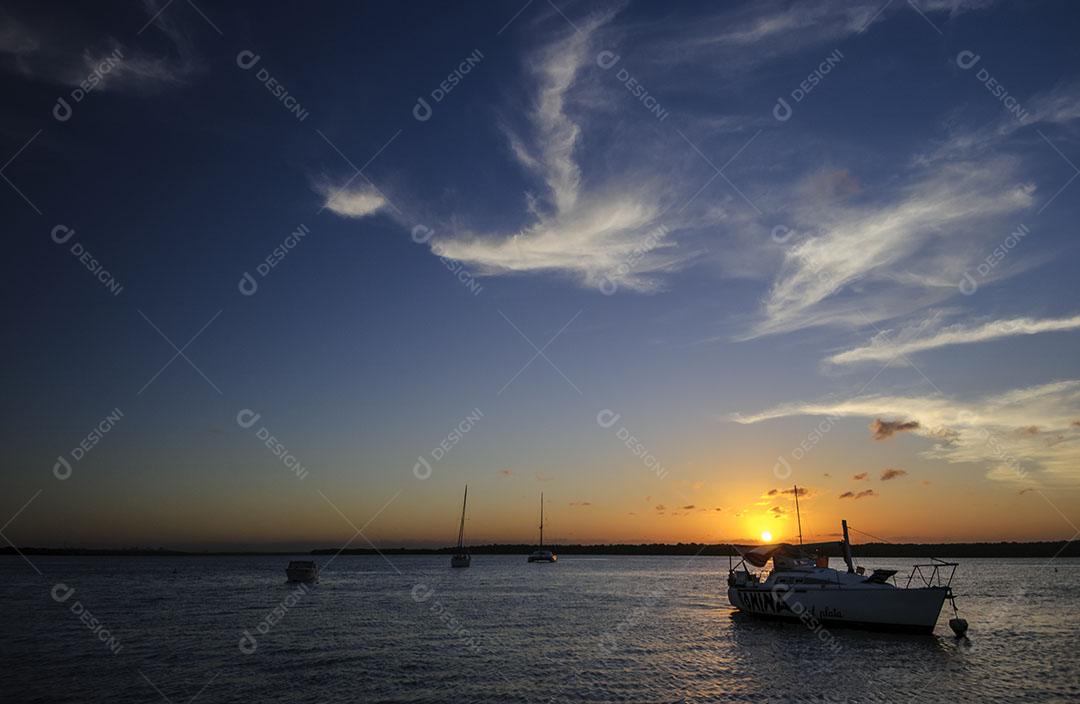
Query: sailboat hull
x,y
874,608
460,561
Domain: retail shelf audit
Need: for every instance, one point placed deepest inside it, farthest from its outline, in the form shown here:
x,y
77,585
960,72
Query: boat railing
x,y
936,573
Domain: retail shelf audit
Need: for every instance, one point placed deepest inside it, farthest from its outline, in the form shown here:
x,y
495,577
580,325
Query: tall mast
x,y
847,548
461,531
797,514
541,519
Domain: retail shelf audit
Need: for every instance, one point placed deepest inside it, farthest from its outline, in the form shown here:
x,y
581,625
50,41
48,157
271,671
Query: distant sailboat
x,y
461,558
540,554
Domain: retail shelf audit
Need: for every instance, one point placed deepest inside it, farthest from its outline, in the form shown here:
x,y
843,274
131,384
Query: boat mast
x,y
461,530
541,519
797,514
847,548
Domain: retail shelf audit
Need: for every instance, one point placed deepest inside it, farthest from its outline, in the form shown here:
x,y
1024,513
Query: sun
x,y
766,536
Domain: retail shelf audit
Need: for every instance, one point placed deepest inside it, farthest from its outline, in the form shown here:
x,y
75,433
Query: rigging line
x,y
869,535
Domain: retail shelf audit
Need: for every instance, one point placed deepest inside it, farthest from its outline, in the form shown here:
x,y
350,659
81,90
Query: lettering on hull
x,y
776,603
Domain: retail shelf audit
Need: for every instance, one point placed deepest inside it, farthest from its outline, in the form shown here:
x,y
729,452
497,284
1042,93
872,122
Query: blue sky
x,y
728,224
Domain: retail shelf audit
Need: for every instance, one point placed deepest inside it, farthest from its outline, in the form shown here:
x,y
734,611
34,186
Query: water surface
x,y
410,629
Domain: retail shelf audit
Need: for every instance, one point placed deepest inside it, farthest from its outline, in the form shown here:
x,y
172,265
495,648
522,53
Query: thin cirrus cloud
x,y
861,495
603,236
36,49
868,243
988,431
887,346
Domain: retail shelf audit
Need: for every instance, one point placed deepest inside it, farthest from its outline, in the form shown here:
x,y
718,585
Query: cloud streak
x,y
885,346
608,236
867,243
986,430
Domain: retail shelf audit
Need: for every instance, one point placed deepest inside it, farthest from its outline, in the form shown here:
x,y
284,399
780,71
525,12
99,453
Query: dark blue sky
x,y
901,248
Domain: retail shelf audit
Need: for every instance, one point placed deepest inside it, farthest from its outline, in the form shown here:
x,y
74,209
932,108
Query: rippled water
x,y
634,629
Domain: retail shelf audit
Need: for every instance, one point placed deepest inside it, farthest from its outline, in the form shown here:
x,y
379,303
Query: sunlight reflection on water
x,y
586,628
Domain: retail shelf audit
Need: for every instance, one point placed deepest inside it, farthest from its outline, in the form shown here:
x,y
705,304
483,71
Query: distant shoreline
x,y
1045,549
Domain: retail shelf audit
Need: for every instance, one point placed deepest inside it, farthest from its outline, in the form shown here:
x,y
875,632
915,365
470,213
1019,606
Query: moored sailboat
x,y
802,587
540,554
462,558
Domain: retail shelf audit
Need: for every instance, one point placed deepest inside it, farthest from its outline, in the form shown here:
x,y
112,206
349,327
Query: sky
x,y
292,277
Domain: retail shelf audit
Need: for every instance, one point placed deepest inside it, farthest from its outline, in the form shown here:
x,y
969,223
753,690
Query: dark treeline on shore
x,y
1047,549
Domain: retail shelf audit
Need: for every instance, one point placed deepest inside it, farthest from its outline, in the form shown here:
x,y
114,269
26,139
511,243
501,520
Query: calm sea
x,y
410,629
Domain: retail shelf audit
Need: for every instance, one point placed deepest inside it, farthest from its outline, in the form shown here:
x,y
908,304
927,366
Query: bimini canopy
x,y
758,555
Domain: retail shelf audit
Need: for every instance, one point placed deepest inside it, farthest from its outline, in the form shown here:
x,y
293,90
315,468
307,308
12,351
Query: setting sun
x,y
766,536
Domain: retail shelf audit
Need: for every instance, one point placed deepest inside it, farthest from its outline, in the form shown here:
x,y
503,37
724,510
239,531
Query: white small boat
x,y
802,587
540,554
302,571
462,558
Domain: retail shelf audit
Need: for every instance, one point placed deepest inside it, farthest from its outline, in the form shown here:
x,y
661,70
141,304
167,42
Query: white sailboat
x,y
462,558
540,554
802,586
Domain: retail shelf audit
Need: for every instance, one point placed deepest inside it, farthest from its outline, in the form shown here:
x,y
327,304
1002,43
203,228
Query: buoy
x,y
959,626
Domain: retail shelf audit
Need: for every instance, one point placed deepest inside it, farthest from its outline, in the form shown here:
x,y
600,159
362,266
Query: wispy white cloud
x,y
869,243
39,50
1058,107
606,235
888,345
993,430
351,201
